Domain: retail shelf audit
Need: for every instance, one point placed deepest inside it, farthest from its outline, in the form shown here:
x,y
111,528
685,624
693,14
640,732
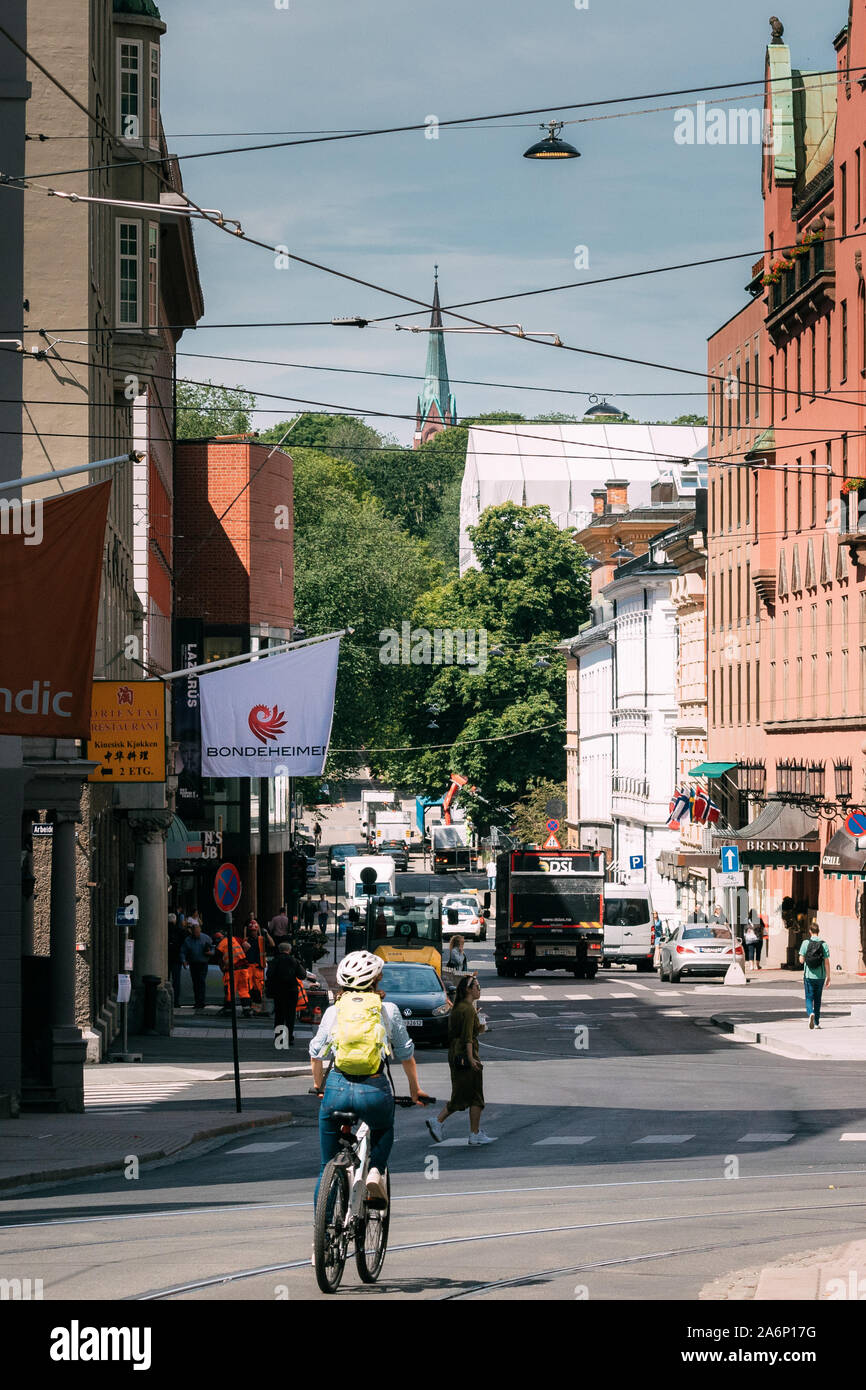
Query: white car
x,y
470,922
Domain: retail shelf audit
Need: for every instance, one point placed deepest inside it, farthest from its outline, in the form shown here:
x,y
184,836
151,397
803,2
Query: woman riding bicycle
x,y
349,1030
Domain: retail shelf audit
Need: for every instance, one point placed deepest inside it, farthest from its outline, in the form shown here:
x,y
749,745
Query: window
x,y
844,700
739,694
857,187
843,198
785,502
799,497
758,691
713,691
861,305
154,96
153,276
843,332
814,521
784,381
128,257
729,395
829,338
844,456
129,90
799,374
772,389
739,392
748,692
755,381
746,395
748,590
730,499
812,377
730,694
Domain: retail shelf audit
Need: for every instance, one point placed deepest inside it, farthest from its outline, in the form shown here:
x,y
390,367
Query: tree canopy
x,y
208,409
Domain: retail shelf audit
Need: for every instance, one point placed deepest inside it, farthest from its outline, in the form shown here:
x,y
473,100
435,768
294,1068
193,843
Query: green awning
x,y
712,769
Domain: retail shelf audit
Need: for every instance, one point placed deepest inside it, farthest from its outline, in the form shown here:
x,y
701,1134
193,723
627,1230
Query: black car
x,y
420,996
337,856
398,851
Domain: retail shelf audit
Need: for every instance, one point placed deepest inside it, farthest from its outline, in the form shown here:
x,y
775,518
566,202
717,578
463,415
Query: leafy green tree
x,y
341,436
354,567
502,720
531,814
411,483
207,410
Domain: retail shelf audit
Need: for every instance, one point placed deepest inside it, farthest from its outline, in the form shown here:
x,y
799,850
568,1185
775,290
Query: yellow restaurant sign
x,y
127,731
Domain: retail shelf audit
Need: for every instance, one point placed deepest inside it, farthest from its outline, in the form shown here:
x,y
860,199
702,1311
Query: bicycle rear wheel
x,y
371,1240
330,1228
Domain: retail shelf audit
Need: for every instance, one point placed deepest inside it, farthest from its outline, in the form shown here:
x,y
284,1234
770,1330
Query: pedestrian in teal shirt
x,y
815,955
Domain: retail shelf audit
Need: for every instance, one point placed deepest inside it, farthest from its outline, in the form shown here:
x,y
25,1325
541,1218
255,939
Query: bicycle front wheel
x,y
371,1241
331,1227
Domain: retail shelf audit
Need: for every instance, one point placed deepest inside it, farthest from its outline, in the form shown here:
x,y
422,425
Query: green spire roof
x,y
436,389
137,7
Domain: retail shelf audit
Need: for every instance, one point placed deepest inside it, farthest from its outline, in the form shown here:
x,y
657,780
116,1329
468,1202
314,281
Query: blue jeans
x,y
814,990
373,1101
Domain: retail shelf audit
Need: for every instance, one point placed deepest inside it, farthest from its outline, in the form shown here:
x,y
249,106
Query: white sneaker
x,y
481,1138
435,1128
377,1192
811,1020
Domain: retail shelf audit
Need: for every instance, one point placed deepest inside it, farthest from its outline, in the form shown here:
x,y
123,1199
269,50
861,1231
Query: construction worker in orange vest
x,y
242,975
255,947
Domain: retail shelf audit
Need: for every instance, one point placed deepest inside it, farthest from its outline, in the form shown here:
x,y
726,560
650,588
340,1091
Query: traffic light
x,y
297,867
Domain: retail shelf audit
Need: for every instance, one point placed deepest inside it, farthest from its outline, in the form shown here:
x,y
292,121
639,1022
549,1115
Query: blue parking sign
x,y
635,861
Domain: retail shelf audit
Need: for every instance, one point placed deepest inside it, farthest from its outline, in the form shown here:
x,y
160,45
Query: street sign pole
x,y
227,895
232,997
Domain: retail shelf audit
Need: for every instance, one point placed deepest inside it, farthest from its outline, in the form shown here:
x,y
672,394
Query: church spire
x,y
436,405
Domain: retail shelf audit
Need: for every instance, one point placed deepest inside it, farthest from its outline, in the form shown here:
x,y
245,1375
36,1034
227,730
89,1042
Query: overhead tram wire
x,y
470,303
494,429
759,84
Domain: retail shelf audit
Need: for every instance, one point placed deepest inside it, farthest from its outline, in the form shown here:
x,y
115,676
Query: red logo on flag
x,y
266,723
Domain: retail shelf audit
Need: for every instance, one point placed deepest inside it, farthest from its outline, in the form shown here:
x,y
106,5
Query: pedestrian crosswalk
x,y
129,1098
675,1140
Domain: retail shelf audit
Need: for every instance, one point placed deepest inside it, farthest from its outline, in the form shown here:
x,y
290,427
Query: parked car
x,y
697,948
420,996
470,923
337,856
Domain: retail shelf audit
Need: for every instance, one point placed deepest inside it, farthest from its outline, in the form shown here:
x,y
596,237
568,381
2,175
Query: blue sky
x,y
385,209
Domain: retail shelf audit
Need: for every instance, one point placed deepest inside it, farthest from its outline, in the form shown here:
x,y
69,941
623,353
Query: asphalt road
x,y
638,1158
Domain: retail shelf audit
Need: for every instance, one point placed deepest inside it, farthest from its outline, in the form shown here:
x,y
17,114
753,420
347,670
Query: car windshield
x,y
462,904
626,912
410,979
345,851
410,921
707,933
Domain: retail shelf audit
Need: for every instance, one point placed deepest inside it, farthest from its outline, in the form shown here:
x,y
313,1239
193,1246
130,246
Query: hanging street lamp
x,y
552,147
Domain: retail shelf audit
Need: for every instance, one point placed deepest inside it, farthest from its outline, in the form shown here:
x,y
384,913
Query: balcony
x,y
625,784
803,293
853,525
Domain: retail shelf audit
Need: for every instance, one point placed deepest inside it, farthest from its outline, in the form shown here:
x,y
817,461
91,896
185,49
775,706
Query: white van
x,y
386,876
629,935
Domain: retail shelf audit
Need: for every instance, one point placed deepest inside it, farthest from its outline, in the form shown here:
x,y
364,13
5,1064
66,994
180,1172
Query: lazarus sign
x,y
270,717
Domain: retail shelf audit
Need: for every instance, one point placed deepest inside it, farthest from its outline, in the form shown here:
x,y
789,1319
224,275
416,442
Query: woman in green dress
x,y
467,1090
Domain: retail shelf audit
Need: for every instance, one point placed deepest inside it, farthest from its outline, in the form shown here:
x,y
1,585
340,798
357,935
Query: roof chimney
x,y
599,500
617,495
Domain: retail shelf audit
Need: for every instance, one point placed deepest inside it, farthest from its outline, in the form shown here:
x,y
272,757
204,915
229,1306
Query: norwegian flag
x,y
713,813
678,807
700,806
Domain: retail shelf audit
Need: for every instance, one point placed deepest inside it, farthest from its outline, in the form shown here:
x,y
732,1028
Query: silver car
x,y
697,948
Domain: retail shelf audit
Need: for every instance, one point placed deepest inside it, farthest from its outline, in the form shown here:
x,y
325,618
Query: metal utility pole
x,y
14,92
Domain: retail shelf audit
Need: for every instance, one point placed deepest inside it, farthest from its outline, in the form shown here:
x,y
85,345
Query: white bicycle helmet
x,y
359,969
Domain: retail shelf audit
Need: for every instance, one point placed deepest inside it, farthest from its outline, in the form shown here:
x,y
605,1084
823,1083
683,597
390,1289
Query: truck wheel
x,y
590,972
502,971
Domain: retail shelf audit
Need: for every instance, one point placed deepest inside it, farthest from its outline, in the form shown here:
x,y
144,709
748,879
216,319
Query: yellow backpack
x,y
359,1036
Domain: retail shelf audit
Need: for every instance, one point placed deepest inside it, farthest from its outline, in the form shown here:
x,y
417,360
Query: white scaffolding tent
x,y
559,465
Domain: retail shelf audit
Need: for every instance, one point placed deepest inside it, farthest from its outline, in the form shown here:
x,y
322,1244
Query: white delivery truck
x,y
386,877
629,935
369,797
391,833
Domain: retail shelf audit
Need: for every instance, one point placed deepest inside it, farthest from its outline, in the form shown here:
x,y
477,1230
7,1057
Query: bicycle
x,y
343,1214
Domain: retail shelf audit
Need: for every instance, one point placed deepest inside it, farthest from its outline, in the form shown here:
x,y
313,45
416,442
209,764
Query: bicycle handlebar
x,y
404,1101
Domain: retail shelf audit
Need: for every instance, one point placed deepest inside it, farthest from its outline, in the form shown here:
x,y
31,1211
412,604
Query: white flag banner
x,y
272,717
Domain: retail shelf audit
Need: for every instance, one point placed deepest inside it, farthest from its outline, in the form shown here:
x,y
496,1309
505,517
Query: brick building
x,y
234,575
787,533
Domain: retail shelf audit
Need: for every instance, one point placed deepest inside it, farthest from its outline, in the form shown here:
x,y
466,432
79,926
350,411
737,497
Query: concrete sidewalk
x,y
841,1037
36,1149
833,1273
